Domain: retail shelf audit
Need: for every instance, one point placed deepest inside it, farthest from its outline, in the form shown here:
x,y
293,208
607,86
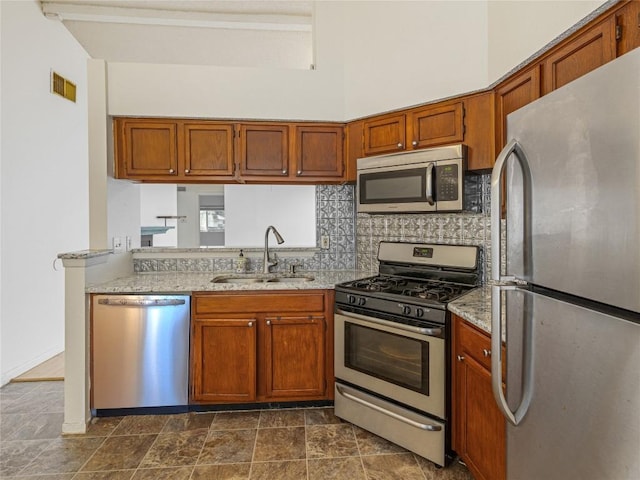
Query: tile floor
x,y
305,444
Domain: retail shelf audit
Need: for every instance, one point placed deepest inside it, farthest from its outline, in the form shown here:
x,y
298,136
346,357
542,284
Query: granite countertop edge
x,y
188,282
474,307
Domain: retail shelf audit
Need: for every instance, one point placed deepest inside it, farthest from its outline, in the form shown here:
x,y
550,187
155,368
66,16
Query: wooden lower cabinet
x,y
261,346
224,350
479,430
294,356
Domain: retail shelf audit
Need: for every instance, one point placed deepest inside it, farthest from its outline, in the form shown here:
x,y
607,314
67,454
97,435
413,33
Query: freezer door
x,y
582,420
582,147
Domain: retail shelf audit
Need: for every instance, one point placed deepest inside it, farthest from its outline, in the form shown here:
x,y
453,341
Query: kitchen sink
x,y
242,279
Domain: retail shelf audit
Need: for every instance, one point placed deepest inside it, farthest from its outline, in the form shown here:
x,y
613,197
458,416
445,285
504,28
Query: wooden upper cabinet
x,y
628,27
480,131
385,134
264,150
319,151
513,94
585,53
145,148
355,148
436,125
295,356
208,149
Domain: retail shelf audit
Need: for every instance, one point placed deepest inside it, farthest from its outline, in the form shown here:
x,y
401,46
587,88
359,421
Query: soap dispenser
x,y
241,263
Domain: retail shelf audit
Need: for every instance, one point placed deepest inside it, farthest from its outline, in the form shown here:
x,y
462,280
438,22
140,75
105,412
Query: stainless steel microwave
x,y
429,180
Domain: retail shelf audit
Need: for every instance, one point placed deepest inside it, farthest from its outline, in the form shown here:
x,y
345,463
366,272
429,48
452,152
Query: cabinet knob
x,y
171,170
250,324
299,172
486,353
284,172
187,170
268,322
460,358
399,145
414,143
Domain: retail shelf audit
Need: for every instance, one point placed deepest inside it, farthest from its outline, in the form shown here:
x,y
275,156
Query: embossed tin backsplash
x,y
472,227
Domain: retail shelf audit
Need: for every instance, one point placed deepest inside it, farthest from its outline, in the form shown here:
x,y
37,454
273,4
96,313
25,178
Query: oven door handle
x,y
431,332
377,408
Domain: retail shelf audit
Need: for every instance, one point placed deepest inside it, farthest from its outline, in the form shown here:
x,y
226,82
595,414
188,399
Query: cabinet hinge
x,y
618,33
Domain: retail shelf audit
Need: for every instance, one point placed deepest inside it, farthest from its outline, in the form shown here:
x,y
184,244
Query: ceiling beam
x,y
175,18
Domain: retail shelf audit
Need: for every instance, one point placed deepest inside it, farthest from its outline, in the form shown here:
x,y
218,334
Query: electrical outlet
x,y
118,246
127,243
324,242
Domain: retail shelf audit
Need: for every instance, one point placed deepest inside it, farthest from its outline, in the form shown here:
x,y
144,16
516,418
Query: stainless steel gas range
x,y
392,344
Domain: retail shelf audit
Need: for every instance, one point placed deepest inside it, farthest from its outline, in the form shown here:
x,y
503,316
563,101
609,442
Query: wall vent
x,y
63,87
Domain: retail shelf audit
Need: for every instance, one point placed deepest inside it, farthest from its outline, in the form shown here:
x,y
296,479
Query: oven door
x,y
397,189
400,362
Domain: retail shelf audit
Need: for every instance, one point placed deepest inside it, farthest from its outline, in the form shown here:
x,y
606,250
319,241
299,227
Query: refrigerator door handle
x,y
513,147
514,417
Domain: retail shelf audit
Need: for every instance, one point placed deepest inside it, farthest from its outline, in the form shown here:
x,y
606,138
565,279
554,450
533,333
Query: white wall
x,y
370,57
44,182
401,53
159,200
250,209
518,29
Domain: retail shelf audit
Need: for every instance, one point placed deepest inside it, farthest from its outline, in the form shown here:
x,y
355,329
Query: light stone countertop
x,y
187,282
474,307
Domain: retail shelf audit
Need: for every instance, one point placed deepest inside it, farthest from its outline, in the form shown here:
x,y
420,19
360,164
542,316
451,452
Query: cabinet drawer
x,y
476,344
258,302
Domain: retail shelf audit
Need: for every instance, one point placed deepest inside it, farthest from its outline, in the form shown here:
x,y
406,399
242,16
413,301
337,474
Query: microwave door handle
x,y
429,190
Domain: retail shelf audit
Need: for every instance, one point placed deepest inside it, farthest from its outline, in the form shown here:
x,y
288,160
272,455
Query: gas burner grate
x,y
379,284
438,292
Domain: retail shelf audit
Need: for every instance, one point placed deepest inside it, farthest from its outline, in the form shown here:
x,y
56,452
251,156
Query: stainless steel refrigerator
x,y
566,274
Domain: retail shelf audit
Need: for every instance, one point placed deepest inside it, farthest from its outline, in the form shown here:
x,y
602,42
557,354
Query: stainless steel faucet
x,y
269,262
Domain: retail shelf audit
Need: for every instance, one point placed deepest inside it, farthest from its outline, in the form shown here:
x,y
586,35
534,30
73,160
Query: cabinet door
x,y
480,131
295,357
386,134
223,366
515,93
587,52
478,425
264,150
145,148
319,152
437,125
355,148
208,149
628,27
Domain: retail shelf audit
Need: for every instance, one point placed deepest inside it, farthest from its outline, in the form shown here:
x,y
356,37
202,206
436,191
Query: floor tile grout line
x,y
203,444
364,470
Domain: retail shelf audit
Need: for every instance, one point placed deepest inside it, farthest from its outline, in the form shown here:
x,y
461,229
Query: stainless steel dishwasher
x,y
140,351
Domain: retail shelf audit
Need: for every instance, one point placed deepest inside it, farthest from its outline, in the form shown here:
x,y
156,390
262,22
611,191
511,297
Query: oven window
x,y
395,186
401,360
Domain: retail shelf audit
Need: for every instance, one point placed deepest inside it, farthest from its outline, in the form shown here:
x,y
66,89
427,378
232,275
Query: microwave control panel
x,y
447,182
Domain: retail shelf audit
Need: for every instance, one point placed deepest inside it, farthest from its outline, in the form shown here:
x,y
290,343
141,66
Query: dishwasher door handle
x,y
137,302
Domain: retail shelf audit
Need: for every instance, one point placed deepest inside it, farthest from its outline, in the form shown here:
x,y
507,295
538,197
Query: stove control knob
x,y
406,309
351,299
419,312
362,301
